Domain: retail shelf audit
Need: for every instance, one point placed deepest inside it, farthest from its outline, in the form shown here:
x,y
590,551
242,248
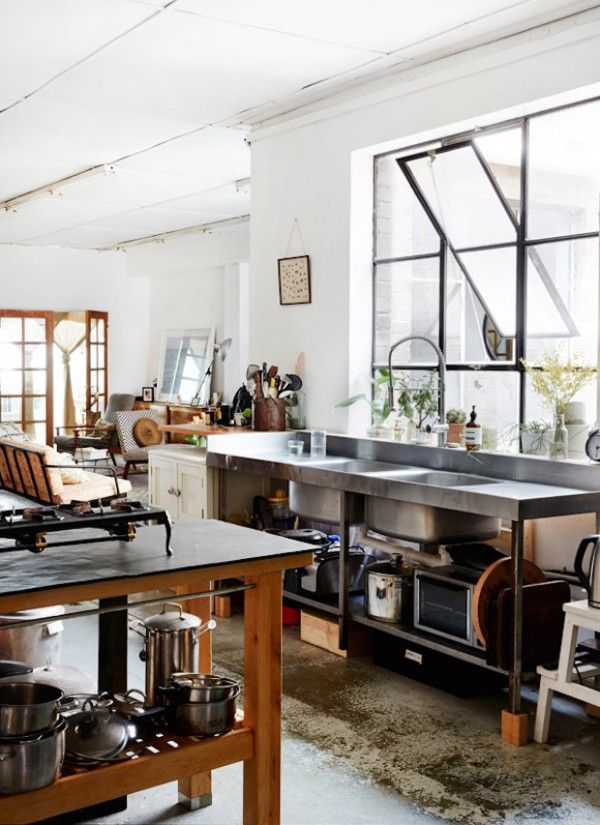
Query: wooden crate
x,y
322,631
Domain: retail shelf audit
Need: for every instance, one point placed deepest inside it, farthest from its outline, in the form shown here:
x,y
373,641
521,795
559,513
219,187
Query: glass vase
x,y
560,446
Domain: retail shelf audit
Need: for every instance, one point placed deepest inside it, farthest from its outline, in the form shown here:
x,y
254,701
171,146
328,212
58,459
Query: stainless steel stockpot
x,y
204,718
389,590
33,761
27,708
172,645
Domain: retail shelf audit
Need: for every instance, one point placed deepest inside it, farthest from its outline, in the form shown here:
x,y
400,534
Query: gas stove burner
x,y
41,514
127,505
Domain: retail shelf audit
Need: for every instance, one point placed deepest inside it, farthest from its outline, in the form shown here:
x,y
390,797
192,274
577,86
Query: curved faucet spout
x,y
441,368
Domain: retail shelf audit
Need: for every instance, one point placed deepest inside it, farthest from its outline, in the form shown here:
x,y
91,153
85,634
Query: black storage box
x,y
439,670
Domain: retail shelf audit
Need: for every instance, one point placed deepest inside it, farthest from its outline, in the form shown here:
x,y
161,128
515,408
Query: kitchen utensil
x,y
39,644
172,645
203,718
272,372
132,705
201,687
97,733
251,371
32,762
10,668
292,382
27,708
591,579
389,590
264,379
497,577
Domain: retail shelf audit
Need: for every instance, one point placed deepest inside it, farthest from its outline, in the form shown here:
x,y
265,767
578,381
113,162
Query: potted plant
x,y
418,402
379,404
455,418
557,384
536,437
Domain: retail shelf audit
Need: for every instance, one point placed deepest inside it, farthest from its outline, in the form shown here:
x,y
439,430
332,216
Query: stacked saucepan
x,y
200,704
32,736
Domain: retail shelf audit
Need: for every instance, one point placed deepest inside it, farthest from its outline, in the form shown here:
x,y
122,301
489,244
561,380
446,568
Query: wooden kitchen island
x,y
203,553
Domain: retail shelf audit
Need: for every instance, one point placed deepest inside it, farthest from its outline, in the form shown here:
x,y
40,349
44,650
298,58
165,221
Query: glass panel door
x,y
26,372
96,363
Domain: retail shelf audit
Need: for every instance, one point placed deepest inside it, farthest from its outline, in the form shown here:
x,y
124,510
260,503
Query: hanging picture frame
x,y
294,280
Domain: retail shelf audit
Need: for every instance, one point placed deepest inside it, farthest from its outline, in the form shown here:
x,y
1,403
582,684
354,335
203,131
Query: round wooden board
x,y
497,576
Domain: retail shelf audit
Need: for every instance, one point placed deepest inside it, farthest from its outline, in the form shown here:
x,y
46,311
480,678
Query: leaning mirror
x,y
184,370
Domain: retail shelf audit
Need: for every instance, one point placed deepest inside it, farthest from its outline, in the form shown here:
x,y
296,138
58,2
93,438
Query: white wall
x,y
303,171
57,279
194,282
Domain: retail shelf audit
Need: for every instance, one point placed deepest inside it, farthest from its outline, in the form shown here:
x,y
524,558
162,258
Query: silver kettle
x,y
172,646
591,579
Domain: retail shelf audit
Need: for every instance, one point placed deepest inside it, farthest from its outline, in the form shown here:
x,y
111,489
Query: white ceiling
x,y
161,90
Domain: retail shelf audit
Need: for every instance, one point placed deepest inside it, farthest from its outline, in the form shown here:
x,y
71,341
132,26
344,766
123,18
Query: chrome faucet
x,y
440,427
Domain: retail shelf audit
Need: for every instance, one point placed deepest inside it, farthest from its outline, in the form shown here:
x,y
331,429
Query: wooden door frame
x,y
48,315
90,315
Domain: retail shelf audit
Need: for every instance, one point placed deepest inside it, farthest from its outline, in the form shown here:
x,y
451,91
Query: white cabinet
x,y
181,483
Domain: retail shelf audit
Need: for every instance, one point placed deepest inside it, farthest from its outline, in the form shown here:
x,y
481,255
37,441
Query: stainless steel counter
x,y
506,486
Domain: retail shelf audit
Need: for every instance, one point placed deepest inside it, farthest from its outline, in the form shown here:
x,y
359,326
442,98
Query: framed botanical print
x,y
294,280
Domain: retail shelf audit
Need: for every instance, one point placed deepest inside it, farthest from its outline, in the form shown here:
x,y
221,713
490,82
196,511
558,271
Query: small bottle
x,y
473,433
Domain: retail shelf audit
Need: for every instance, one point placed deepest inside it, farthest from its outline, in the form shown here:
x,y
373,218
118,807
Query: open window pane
x,y
471,337
564,318
493,276
564,172
496,399
462,198
502,153
401,226
407,303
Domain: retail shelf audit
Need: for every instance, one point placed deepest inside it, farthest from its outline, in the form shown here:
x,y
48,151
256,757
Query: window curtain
x,y
69,334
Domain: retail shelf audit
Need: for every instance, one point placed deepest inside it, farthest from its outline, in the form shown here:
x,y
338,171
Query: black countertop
x,y
195,545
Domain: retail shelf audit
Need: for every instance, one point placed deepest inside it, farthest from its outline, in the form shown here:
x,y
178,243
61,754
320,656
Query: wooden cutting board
x,y
497,577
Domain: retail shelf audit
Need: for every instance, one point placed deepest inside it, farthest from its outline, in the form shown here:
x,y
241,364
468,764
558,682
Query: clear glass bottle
x,y
561,439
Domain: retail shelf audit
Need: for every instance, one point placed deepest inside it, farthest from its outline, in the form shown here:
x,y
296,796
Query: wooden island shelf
x,y
203,553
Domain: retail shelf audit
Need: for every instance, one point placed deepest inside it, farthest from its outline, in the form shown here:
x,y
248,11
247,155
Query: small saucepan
x,y
27,708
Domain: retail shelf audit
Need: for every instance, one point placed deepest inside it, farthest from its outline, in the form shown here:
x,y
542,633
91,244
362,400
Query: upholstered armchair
x,y
138,432
102,436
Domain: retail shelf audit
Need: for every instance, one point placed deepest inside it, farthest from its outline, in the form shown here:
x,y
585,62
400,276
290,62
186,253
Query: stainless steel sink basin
x,y
426,524
321,504
364,466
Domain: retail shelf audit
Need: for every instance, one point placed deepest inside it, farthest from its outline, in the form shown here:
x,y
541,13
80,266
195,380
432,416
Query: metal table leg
x,y
514,722
344,569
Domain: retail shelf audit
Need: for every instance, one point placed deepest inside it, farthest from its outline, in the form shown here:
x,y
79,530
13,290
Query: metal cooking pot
x,y
31,762
39,644
389,590
200,687
172,645
97,733
28,708
204,718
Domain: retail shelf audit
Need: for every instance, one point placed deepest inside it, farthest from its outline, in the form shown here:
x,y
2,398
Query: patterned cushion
x,y
9,430
130,450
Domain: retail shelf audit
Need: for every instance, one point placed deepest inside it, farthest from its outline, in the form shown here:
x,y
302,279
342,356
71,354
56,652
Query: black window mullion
x,y
442,298
521,336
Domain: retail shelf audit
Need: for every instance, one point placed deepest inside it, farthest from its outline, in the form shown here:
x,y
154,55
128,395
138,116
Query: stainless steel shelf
x,y
445,646
316,604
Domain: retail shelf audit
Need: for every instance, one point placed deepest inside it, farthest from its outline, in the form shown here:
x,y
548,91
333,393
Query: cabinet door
x,y
191,483
163,484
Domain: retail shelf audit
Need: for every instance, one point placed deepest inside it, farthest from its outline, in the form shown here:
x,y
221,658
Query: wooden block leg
x,y
196,791
544,709
514,728
262,698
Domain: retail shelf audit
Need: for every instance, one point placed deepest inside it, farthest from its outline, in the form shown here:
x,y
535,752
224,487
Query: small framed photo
x,y
148,394
294,280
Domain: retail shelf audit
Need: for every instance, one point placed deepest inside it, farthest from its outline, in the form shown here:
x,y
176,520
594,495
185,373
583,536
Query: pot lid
x,y
96,733
306,534
171,619
69,679
391,568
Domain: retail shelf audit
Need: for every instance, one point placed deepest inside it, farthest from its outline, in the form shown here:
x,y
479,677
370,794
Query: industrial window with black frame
x,y
487,243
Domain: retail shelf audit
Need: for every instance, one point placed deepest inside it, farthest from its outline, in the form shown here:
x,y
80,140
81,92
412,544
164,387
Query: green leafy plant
x,y
196,440
536,428
247,413
417,397
535,437
558,383
456,416
379,404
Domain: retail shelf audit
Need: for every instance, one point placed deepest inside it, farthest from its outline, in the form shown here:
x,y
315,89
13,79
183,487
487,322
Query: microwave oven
x,y
442,604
